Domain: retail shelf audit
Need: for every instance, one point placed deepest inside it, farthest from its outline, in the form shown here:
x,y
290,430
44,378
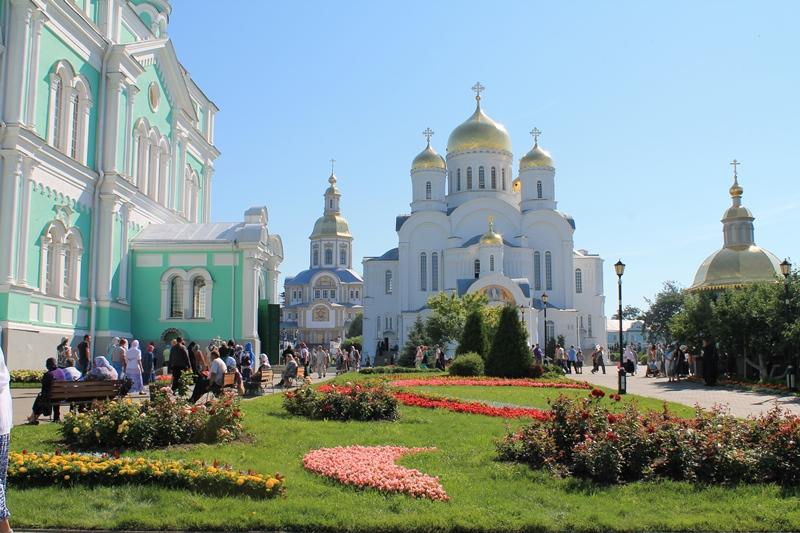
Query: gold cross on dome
x,y
491,223
333,162
478,88
428,133
536,133
735,164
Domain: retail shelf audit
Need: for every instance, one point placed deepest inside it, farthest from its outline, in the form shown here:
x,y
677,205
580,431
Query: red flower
x,y
584,415
459,406
612,436
597,393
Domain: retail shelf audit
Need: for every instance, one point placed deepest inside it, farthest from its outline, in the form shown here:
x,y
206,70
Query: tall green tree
x,y
473,336
416,337
509,355
629,312
667,303
356,326
448,315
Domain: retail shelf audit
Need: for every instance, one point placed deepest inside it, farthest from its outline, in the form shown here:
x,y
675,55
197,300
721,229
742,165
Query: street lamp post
x,y
619,268
791,372
544,304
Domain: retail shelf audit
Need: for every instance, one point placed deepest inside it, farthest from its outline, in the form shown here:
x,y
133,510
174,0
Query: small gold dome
x,y
331,225
536,158
479,132
491,238
516,186
736,189
428,159
736,266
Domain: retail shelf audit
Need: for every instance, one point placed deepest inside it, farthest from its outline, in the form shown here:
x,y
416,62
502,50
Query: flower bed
x,y
461,406
26,376
365,466
584,439
165,420
487,382
34,469
342,403
396,370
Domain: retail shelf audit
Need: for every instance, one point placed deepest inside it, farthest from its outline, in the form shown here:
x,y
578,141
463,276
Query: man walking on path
x,y
179,362
710,362
84,355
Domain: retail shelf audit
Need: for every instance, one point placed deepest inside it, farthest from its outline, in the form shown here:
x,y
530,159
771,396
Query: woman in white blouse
x,y
5,434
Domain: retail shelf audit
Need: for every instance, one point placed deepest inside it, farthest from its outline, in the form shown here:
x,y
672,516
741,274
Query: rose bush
x,y
374,466
350,402
45,469
162,421
583,438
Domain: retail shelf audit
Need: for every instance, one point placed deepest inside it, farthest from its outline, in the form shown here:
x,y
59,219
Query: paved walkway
x,y
741,403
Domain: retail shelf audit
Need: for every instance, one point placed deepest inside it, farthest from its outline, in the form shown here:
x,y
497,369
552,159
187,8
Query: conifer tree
x,y
509,355
416,337
473,336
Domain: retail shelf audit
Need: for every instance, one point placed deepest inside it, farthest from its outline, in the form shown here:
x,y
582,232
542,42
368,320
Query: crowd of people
x,y
430,357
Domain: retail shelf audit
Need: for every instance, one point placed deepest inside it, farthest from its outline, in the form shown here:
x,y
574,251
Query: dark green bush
x,y
351,402
473,337
510,356
468,364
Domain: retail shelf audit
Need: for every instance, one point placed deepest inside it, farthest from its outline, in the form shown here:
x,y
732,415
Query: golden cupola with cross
x,y
739,262
479,131
428,179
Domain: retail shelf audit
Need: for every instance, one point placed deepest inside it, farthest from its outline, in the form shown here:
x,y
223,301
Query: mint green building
x,y
106,164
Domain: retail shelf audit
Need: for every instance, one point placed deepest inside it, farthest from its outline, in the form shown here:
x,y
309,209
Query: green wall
x,y
161,118
198,167
126,36
51,50
146,322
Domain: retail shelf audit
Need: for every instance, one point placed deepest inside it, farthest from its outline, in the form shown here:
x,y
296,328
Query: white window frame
x,y
187,278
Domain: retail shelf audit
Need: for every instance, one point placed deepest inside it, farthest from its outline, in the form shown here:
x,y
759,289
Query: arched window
x,y
66,280
58,107
469,178
176,297
423,271
388,282
503,178
378,325
578,281
60,260
343,255
538,189
427,190
458,179
315,255
548,270
537,271
75,127
198,298
481,178
434,271
330,203
477,266
328,255
494,178
491,263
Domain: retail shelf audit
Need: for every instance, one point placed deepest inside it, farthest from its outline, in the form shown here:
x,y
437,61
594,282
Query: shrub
x,y
585,439
473,337
34,469
510,355
395,370
329,402
416,337
165,420
353,341
468,364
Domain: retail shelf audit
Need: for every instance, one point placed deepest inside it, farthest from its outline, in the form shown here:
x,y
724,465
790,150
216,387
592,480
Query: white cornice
x,y
75,30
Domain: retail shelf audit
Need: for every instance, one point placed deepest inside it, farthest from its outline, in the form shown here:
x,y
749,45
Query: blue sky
x,y
641,104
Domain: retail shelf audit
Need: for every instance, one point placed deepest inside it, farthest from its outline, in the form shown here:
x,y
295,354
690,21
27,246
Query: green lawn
x,y
485,494
531,397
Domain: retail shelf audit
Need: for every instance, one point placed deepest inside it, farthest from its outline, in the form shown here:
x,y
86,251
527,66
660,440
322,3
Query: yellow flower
x,y
22,470
240,481
76,430
66,478
271,482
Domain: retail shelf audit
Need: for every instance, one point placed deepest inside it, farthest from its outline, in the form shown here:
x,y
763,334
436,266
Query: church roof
x,y
345,275
219,232
391,255
399,221
477,238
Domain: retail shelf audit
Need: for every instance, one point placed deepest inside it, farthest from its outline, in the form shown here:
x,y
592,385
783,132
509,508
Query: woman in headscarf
x,y
41,406
5,437
248,351
102,371
133,367
238,382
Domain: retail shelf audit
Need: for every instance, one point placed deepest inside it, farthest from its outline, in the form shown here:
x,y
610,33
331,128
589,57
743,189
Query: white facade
x,y
474,229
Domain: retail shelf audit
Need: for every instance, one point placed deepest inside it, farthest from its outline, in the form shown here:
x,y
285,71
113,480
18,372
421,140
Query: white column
x,y
179,176
23,250
125,215
114,89
208,173
9,203
18,39
33,68
128,133
104,226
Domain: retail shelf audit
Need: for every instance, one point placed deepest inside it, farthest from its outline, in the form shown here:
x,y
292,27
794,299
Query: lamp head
x,y
786,268
619,268
544,298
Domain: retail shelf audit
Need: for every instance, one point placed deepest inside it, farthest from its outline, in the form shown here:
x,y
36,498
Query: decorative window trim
x,y
494,178
427,190
187,278
548,271
423,272
71,127
435,271
537,271
469,178
477,268
60,244
388,282
539,190
578,281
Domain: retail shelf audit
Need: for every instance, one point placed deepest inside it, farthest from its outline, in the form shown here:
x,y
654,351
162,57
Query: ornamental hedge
x,y
350,402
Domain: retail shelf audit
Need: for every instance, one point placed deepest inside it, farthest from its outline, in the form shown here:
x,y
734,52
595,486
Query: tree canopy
x,y
356,326
510,355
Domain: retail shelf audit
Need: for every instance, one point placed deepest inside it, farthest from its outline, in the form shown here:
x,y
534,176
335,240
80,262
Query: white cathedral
x,y
473,228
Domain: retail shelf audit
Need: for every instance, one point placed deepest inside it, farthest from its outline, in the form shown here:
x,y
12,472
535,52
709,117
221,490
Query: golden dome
x,y
428,159
536,158
479,132
330,225
516,186
737,212
736,266
491,238
736,189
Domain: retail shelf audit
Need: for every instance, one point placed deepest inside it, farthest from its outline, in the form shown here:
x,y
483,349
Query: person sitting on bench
x,y
102,371
290,372
41,406
216,376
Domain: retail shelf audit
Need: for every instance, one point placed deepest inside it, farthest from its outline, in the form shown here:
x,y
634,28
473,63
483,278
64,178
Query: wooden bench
x,y
229,380
256,388
82,392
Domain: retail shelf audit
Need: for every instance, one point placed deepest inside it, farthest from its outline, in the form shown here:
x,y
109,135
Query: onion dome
x,y
536,158
491,238
516,185
428,159
739,261
479,132
330,225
